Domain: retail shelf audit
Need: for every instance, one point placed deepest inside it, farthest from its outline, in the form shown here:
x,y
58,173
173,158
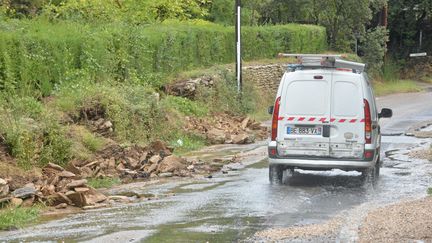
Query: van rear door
x,y
347,123
304,111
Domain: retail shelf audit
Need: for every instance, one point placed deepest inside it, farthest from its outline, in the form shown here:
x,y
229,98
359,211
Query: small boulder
x,y
24,192
216,136
171,164
151,168
16,202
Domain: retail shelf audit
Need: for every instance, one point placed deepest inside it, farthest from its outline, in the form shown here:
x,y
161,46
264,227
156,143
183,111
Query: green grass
x,y
187,143
399,86
17,217
106,182
429,190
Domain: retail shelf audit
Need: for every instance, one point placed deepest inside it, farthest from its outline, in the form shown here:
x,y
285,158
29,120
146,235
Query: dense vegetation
x,y
38,56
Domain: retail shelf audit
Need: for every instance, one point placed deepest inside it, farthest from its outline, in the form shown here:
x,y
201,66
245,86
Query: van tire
x,y
275,174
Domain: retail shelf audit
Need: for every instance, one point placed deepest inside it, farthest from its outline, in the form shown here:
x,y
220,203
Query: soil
x,y
403,222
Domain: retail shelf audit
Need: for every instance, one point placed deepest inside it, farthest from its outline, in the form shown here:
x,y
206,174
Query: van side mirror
x,y
385,113
270,110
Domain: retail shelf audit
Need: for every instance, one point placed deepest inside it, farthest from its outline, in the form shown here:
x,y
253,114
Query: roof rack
x,y
313,61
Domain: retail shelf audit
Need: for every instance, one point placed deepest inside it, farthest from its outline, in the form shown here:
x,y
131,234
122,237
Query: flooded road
x,y
233,206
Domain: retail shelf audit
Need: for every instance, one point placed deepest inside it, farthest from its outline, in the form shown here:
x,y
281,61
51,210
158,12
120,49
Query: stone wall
x,y
265,77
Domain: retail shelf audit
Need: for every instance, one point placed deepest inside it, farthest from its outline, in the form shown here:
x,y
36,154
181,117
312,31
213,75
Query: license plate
x,y
299,130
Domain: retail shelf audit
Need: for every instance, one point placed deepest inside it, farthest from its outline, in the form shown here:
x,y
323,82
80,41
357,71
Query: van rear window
x,y
307,98
347,100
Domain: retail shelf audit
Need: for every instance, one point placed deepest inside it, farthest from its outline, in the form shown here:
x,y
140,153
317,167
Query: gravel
x,y
315,232
403,222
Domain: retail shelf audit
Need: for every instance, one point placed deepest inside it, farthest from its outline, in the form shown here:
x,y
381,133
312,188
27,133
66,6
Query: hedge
x,y
37,56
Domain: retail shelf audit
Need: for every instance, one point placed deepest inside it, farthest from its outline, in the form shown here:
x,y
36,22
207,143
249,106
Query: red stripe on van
x,y
332,120
362,120
342,120
312,119
353,120
323,119
301,118
291,118
280,118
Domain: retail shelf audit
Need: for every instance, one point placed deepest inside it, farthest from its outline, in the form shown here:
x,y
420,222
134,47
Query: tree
x,y
406,19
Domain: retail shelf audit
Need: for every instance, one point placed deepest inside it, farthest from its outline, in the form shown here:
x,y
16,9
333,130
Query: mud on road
x,y
238,202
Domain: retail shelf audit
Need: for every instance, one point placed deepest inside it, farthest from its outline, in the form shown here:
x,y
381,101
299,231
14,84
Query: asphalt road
x,y
233,206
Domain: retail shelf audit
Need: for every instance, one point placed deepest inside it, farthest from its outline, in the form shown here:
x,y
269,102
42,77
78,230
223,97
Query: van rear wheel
x,y
372,174
276,174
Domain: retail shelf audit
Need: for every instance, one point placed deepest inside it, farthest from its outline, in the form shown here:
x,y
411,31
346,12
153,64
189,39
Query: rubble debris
x,y
224,128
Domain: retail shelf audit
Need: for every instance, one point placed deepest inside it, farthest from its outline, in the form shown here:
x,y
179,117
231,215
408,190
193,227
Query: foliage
x,y
185,106
374,49
429,191
132,109
406,19
106,182
36,56
31,133
17,217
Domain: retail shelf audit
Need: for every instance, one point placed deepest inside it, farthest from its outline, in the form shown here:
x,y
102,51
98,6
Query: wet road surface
x,y
233,206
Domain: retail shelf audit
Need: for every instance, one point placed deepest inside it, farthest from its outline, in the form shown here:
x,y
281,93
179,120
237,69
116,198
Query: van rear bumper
x,y
322,164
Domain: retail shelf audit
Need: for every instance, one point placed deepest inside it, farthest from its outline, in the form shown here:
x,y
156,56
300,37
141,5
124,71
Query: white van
x,y
325,117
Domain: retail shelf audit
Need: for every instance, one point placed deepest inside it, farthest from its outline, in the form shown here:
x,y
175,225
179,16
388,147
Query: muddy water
x,y
233,206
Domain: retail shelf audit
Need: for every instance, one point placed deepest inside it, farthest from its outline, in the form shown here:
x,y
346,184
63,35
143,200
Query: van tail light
x,y
275,119
369,154
368,122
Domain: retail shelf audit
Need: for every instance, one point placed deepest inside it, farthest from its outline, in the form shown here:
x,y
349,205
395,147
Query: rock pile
x,y
188,88
133,163
227,129
61,187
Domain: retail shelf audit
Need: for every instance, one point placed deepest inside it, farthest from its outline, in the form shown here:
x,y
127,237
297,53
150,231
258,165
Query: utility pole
x,y
238,46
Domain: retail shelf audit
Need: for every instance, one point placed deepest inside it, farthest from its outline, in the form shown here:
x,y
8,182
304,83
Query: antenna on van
x,y
325,61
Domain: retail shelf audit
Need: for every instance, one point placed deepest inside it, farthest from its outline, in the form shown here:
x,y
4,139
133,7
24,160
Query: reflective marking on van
x,y
321,119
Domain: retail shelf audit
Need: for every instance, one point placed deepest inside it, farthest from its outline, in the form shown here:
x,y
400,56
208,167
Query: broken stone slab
x,y
4,190
151,168
54,166
3,182
88,198
77,183
166,174
244,123
81,189
155,159
61,206
24,192
66,174
171,164
57,199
